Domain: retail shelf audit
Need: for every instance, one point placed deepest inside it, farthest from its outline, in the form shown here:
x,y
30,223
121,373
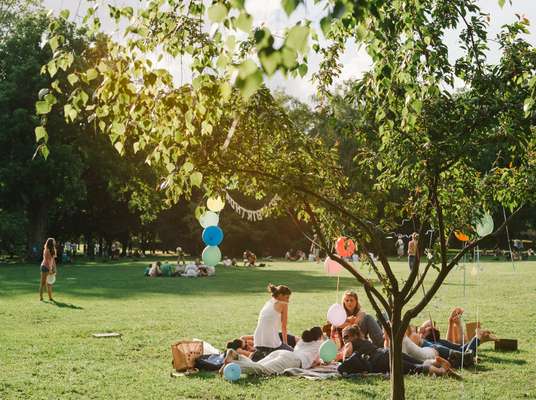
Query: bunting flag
x,y
251,215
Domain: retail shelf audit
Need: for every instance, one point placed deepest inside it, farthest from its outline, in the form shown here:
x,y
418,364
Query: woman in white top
x,y
272,320
305,355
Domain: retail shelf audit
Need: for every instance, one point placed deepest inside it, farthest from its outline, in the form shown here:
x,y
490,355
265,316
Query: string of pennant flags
x,y
251,215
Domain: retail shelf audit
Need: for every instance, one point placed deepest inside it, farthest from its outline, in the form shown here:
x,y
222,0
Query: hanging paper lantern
x,y
462,237
336,315
212,235
345,247
209,218
328,351
485,226
215,204
332,267
211,255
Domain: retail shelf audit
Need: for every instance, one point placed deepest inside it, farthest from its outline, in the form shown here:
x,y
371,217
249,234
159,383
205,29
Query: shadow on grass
x,y
498,359
122,280
64,305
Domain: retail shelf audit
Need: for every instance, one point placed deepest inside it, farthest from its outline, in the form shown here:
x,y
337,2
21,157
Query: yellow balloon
x,y
215,204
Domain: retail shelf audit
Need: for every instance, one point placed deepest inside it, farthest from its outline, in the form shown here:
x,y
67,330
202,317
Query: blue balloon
x,y
212,235
231,372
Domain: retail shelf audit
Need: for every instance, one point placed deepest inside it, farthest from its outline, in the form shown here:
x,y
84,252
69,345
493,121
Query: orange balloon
x,y
462,237
345,247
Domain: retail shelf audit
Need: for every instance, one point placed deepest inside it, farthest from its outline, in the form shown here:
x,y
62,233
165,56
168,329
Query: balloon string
x,y
337,299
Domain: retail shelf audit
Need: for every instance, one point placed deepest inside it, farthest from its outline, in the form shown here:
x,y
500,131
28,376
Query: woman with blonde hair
x,y
48,267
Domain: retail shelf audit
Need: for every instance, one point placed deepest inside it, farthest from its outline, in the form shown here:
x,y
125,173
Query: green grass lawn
x,y
47,352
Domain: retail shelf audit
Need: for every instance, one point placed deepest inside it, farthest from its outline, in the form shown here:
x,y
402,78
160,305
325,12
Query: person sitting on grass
x,y
155,269
361,355
273,319
305,355
355,315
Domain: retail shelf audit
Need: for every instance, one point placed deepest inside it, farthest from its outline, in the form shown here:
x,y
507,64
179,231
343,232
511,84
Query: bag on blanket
x,y
210,362
185,353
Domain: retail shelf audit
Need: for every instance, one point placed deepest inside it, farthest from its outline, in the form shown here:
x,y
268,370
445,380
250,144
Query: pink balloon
x,y
336,315
332,267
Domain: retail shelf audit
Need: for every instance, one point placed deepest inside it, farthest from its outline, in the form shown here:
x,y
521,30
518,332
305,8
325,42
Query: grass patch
x,y
47,352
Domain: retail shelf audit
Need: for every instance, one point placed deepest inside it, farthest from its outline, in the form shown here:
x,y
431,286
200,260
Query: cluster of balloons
x,y
345,248
212,234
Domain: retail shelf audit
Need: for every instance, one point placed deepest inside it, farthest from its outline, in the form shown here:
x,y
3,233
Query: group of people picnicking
x,y
363,347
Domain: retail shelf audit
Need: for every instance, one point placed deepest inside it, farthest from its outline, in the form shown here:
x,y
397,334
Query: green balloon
x,y
328,351
485,226
211,255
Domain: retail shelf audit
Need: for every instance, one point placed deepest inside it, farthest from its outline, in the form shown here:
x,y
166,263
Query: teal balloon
x,y
328,351
485,226
211,255
231,372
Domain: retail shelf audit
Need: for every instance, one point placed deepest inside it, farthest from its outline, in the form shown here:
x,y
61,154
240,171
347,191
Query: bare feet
x,y
485,335
439,371
443,363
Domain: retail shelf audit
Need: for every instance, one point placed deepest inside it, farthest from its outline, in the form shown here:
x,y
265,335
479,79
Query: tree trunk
x,y
395,352
37,229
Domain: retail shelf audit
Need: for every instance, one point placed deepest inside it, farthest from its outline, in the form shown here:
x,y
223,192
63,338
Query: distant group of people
x,y
362,344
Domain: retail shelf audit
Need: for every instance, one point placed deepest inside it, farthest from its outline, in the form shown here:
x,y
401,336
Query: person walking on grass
x,y
413,248
48,267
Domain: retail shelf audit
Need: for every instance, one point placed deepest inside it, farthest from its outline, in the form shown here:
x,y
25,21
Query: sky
x,y
354,61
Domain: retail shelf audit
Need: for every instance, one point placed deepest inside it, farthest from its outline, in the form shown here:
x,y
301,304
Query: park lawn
x,y
47,352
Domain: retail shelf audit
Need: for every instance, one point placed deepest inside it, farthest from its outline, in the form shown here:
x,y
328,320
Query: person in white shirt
x,y
305,355
272,320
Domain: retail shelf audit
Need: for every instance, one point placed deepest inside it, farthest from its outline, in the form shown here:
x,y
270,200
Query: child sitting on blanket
x,y
305,355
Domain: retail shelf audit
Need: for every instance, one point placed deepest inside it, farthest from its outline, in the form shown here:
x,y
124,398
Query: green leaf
x,y
501,3
44,151
302,70
43,107
52,68
289,57
297,38
244,22
91,74
188,167
50,99
119,147
250,84
325,25
40,133
246,68
289,5
217,12
65,14
53,43
270,60
238,4
72,78
69,112
528,105
196,178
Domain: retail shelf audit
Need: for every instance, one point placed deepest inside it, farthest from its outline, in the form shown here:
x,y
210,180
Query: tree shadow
x,y
124,280
497,359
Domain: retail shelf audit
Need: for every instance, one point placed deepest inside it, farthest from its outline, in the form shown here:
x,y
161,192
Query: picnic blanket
x,y
326,372
318,373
